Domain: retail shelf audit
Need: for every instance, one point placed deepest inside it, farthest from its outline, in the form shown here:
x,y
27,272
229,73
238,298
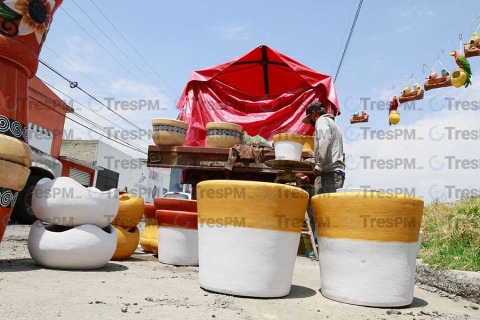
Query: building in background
x,y
102,166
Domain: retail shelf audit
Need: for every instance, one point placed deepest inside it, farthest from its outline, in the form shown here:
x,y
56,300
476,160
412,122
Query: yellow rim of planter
x,y
309,143
257,205
224,126
369,216
16,151
169,122
291,137
13,175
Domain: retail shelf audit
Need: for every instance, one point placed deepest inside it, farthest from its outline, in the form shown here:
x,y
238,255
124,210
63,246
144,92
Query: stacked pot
x,y
78,233
149,239
19,51
177,231
126,222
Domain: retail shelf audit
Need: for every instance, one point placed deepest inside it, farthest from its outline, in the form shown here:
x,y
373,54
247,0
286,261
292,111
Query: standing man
x,y
329,163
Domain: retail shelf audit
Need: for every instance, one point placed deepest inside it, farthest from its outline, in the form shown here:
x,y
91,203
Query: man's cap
x,y
315,106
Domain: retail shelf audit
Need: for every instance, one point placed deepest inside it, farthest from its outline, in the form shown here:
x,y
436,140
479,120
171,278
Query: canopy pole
x,y
265,69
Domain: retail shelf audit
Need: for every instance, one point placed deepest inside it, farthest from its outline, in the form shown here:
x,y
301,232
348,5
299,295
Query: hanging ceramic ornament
x,y
472,47
356,118
411,95
435,80
393,114
461,75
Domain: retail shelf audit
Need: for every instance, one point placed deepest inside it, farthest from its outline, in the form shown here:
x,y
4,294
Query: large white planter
x,y
248,236
288,146
177,237
65,202
85,247
368,244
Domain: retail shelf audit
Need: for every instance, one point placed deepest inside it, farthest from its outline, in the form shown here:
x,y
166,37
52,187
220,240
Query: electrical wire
x,y
95,24
344,34
348,40
148,88
106,18
126,145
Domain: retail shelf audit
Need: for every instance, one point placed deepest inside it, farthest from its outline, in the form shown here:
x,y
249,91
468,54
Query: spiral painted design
x,y
25,134
17,129
14,199
4,124
6,198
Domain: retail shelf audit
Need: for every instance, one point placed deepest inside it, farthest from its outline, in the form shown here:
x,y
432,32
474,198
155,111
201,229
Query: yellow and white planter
x,y
177,237
85,247
65,202
223,134
288,146
248,236
169,132
309,144
127,242
130,211
368,244
149,237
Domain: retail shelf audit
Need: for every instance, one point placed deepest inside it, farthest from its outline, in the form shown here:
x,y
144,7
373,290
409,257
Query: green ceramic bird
x,y
463,63
445,73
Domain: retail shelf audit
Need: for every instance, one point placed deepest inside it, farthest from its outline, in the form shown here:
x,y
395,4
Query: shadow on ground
x,y
25,265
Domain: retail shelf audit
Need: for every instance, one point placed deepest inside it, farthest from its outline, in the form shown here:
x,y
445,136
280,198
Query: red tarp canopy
x,y
264,91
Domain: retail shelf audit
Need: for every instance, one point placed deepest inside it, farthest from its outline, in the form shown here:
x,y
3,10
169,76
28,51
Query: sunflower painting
x,y
35,16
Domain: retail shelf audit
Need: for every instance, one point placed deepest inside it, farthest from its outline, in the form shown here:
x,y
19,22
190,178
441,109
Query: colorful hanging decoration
x,y
393,114
434,81
461,76
409,95
356,118
472,47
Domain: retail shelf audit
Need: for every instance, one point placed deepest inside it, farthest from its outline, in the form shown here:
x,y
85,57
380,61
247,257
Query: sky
x,y
160,44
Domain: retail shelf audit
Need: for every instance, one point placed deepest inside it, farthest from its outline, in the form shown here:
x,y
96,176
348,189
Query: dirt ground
x,y
143,288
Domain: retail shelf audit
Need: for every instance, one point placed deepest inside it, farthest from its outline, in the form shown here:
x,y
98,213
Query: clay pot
x,y
458,77
248,238
223,134
177,237
309,144
288,146
175,204
127,242
85,247
368,244
63,201
150,233
15,150
130,211
169,132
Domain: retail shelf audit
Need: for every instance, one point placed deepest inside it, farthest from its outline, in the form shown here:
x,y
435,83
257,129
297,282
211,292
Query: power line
x,y
75,85
133,47
343,38
348,40
53,87
119,48
109,53
138,150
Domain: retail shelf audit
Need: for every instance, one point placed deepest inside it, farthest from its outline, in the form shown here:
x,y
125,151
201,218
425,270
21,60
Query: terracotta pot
x,y
85,247
223,134
150,233
177,237
288,146
127,242
175,204
368,244
63,201
169,132
249,238
130,211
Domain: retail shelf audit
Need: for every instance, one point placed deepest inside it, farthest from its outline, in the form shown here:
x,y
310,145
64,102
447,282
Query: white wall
x,y
134,173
